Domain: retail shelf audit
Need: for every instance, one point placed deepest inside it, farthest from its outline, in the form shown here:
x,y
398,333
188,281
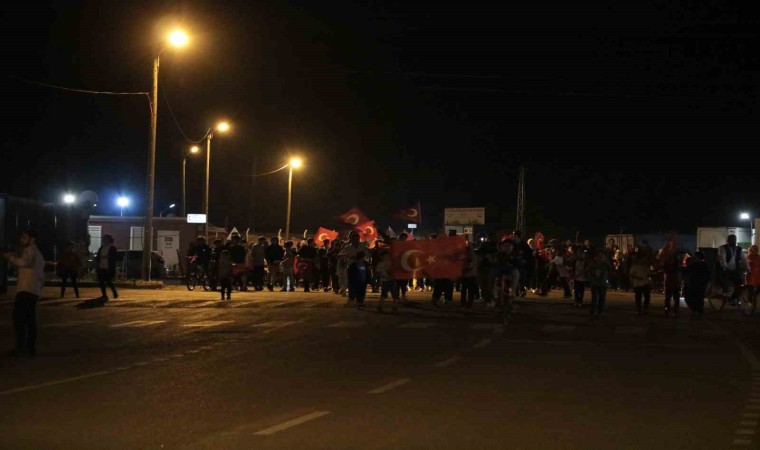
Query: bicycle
x,y
717,297
197,276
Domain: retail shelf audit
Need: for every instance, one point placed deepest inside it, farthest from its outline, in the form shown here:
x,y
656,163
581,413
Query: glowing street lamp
x,y
193,150
69,199
748,217
176,38
221,127
122,202
166,209
294,163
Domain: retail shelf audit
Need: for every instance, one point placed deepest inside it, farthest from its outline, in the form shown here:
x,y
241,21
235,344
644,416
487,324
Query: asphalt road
x,y
178,369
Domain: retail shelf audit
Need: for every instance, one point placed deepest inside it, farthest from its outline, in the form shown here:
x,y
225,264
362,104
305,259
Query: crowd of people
x,y
496,270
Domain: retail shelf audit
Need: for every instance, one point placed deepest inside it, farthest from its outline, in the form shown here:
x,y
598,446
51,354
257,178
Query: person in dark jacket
x,y
68,267
358,276
696,278
237,255
274,254
105,261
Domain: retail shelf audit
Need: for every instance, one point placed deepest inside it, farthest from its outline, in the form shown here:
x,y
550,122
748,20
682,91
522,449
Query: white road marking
x,y
123,368
418,325
389,386
748,423
448,362
742,442
347,324
159,359
137,324
242,304
142,363
751,416
745,432
272,305
193,351
482,343
625,329
482,326
203,304
69,323
207,347
206,323
275,324
292,423
557,328
178,355
53,383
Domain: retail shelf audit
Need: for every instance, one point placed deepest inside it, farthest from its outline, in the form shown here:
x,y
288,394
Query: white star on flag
x,y
431,259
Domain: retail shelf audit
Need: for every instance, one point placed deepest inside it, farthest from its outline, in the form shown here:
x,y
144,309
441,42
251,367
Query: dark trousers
x,y
226,284
469,290
389,287
675,295
69,275
25,321
258,277
105,278
325,275
580,291
598,299
443,287
357,290
695,298
334,279
403,286
642,294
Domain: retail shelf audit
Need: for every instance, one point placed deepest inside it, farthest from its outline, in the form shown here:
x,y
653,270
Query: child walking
x,y
387,283
598,277
224,268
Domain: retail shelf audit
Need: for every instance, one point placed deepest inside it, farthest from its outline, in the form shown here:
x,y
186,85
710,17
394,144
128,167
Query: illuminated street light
x,y
748,217
193,150
176,38
294,163
69,199
122,202
221,127
744,216
166,209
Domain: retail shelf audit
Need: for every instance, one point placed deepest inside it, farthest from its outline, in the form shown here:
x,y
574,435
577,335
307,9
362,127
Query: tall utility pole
x,y
252,204
150,179
520,220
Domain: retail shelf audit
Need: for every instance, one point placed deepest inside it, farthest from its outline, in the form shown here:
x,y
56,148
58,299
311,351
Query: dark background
x,y
632,115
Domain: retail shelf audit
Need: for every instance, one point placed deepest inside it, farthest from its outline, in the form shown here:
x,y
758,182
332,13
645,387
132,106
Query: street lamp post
x,y
194,149
166,209
122,202
748,217
294,163
176,39
221,127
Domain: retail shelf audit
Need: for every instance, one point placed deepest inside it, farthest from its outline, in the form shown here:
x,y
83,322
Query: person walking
x,y
105,261
387,282
582,263
288,268
642,284
258,261
598,278
358,276
469,279
696,278
224,269
273,255
31,267
68,268
671,267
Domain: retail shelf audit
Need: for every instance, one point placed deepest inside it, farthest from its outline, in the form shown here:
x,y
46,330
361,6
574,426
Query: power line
x,y
176,122
269,173
82,91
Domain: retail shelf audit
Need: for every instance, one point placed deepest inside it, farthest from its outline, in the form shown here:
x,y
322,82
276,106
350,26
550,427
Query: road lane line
x,y
123,368
292,423
53,383
389,386
557,328
748,423
347,324
137,324
449,361
206,323
745,432
742,442
482,343
142,363
275,324
69,323
751,416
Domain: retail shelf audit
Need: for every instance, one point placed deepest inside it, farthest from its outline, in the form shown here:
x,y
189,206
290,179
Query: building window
x,y
96,236
136,238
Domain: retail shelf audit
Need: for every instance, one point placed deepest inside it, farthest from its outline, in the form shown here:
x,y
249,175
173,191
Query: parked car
x,y
129,264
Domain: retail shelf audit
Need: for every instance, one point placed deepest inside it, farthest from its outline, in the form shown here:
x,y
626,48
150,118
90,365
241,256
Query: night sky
x,y
633,115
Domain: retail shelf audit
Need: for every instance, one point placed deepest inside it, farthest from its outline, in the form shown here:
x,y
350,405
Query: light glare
x,y
296,163
223,127
69,198
178,38
123,202
194,149
744,216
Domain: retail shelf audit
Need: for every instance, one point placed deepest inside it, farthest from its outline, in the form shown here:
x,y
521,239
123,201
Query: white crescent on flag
x,y
322,237
411,212
405,260
353,219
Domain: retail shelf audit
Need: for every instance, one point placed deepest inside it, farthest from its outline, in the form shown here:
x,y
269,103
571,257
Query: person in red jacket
x,y
752,280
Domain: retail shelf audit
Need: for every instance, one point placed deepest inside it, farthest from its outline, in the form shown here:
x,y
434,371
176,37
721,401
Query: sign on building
x,y
196,218
464,216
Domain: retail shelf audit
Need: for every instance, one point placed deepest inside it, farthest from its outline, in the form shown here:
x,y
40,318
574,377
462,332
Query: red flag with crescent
x,y
353,216
324,233
411,214
430,258
538,241
367,231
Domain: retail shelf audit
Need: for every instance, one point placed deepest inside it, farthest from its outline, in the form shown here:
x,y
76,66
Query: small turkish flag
x,y
353,216
411,214
431,258
324,233
367,231
538,241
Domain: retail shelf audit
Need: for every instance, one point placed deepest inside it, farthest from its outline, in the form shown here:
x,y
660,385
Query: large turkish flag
x,y
353,216
432,258
324,233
